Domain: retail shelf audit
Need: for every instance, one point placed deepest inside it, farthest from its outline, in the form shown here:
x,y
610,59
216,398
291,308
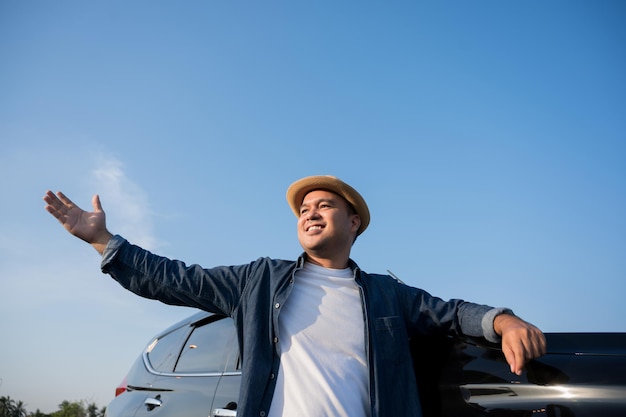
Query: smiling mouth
x,y
314,227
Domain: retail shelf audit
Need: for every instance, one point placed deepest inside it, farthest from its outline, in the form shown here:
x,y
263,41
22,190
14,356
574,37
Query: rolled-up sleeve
x,y
110,251
487,323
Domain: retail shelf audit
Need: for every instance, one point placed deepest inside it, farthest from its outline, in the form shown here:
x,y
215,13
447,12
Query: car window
x,y
207,347
164,351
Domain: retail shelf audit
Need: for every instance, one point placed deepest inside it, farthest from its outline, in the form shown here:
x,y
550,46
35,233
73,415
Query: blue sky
x,y
487,137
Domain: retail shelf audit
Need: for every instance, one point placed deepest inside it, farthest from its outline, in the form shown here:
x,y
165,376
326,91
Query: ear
x,y
356,223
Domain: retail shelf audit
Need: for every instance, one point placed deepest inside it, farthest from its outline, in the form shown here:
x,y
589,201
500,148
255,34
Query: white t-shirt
x,y
323,366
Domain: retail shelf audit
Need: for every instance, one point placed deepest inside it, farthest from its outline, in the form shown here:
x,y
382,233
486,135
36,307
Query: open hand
x,y
88,226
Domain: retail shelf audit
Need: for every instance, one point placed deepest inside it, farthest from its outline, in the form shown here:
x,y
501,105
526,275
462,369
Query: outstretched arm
x,y
88,226
521,341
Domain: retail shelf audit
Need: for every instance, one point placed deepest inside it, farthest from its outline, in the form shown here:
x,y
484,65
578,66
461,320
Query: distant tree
x,y
6,406
93,411
11,408
19,410
38,413
70,409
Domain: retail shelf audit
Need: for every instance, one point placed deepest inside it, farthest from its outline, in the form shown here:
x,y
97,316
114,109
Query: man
x,y
318,336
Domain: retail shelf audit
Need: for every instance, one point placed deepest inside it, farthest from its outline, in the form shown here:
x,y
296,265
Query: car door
x,y
188,389
224,402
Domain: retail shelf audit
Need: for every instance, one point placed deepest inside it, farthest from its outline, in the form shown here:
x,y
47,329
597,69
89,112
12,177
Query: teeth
x,y
315,227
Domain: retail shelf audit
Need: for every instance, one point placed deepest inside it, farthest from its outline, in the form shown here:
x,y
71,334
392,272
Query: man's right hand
x,y
88,226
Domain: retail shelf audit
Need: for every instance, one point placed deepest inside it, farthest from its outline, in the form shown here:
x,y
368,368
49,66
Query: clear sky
x,y
488,137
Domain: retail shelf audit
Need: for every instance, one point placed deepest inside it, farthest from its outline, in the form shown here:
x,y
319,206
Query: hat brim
x,y
299,189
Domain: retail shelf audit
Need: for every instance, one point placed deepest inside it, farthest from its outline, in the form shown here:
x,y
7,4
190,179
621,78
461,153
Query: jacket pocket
x,y
391,339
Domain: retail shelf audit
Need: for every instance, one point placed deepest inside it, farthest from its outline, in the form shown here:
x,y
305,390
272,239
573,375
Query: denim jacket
x,y
253,295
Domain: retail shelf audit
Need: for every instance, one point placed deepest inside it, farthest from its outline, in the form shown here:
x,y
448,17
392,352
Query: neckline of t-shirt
x,y
337,273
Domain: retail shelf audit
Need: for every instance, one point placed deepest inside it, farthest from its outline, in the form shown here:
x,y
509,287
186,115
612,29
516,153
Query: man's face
x,y
327,225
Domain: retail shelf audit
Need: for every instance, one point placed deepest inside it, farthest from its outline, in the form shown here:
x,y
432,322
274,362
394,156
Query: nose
x,y
311,214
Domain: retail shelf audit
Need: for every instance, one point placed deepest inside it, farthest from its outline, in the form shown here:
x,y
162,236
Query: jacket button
x,y
275,340
272,376
277,305
262,413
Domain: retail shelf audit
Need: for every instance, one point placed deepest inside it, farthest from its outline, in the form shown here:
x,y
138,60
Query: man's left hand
x,y
521,341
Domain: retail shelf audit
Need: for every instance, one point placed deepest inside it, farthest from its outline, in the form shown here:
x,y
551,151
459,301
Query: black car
x,y
192,369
